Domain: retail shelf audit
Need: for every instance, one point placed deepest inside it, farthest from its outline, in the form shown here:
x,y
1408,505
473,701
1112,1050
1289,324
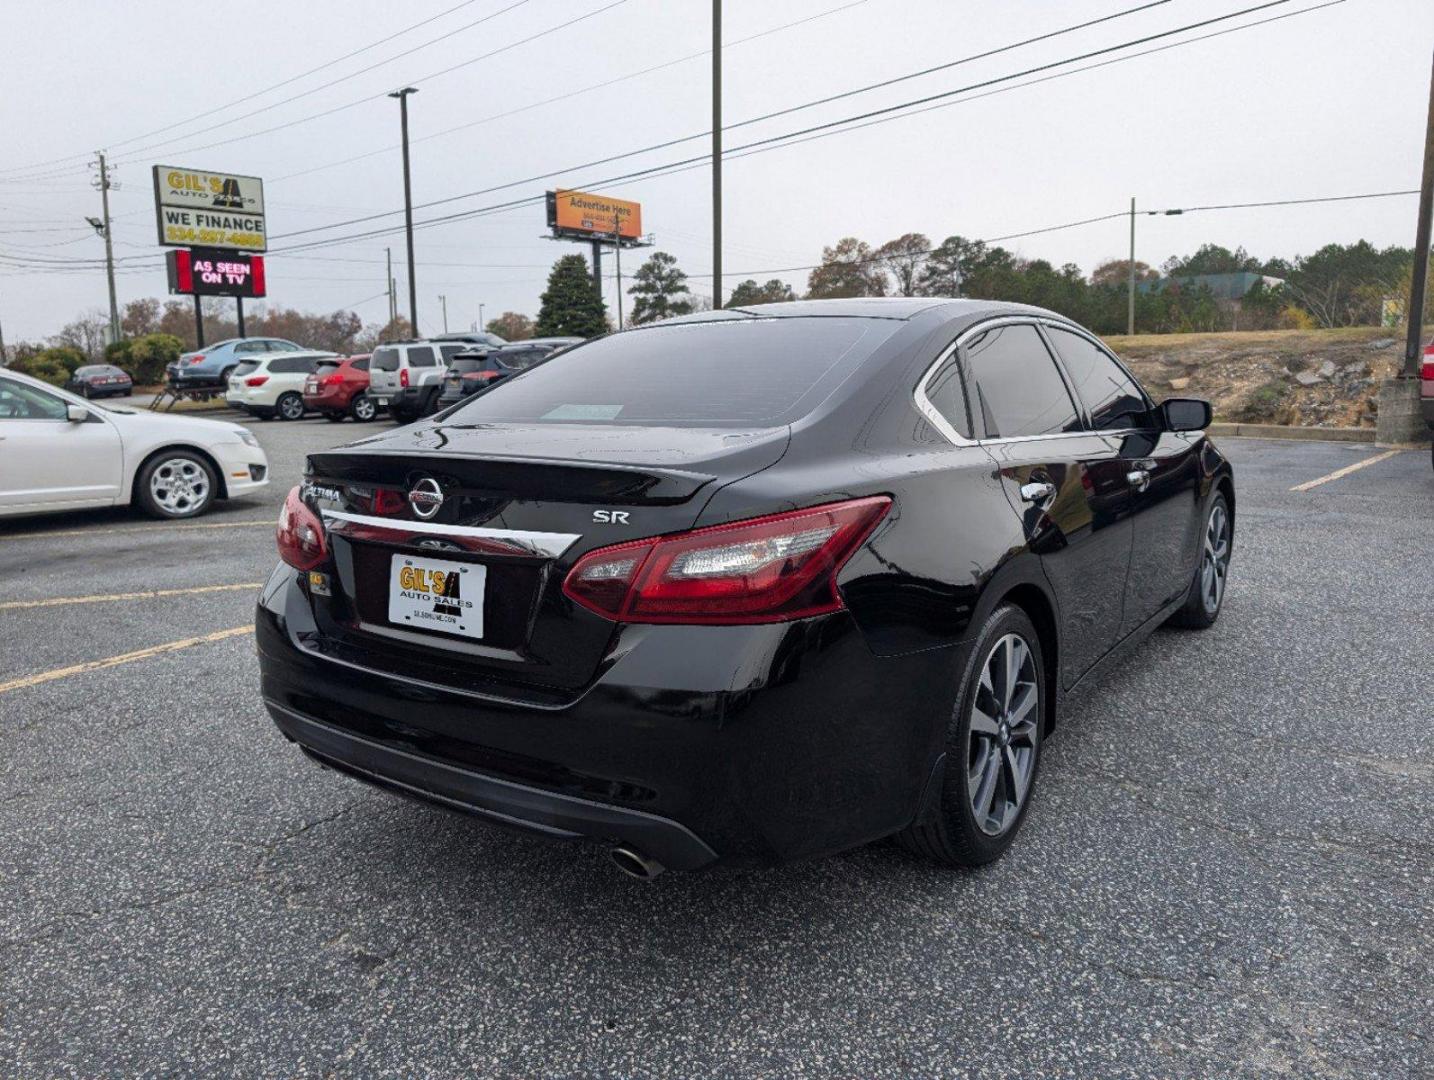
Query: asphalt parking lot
x,y
1228,870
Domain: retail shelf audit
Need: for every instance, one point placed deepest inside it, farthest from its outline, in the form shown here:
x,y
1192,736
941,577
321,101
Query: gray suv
x,y
407,376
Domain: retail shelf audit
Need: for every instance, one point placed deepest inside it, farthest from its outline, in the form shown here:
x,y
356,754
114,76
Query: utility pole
x,y
1399,418
716,153
617,255
388,278
402,96
104,185
443,300
597,269
1421,249
239,300
1130,302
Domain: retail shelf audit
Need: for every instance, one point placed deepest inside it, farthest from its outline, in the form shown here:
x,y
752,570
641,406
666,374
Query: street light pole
x,y
444,301
402,96
716,153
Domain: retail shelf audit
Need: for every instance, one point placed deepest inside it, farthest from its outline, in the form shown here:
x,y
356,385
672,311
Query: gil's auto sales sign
x,y
216,210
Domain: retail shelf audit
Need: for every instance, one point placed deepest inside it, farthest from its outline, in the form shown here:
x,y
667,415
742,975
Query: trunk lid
x,y
521,502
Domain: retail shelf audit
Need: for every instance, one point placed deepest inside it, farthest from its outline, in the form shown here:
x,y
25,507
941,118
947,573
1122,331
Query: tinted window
x,y
422,356
360,365
448,352
465,364
726,373
385,360
21,402
292,365
1109,393
328,367
948,397
244,367
1016,387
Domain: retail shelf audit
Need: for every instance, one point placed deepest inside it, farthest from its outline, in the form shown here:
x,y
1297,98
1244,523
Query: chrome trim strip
x,y
928,410
549,545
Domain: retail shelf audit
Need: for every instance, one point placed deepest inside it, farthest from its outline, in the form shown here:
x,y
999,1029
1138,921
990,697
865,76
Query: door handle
x,y
1037,491
1139,479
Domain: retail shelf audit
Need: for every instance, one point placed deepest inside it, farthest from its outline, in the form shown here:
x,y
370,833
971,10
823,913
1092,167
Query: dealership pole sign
x,y
206,209
215,272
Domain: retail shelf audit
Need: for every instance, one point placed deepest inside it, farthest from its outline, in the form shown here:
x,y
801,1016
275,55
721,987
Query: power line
x,y
885,111
270,88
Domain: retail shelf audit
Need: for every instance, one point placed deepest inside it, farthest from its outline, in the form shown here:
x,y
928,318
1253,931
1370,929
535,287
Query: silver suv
x,y
407,376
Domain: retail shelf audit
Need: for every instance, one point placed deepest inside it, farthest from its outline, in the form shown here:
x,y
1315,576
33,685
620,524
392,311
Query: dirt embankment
x,y
1306,378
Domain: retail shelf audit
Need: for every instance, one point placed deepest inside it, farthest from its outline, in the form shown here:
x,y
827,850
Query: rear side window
x,y
948,397
422,356
724,373
385,360
244,367
1017,389
1113,398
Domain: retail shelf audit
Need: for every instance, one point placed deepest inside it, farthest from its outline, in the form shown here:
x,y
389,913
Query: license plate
x,y
236,385
311,386
436,594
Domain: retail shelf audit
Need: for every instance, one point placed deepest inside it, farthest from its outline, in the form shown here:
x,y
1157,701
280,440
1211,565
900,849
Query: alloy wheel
x,y
1002,734
180,486
364,408
1215,561
291,407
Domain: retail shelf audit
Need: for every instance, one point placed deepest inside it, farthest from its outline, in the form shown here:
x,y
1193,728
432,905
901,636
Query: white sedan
x,y
59,452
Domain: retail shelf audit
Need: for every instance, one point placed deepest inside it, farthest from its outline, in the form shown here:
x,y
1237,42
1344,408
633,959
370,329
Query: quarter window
x,y
1018,391
948,397
1113,398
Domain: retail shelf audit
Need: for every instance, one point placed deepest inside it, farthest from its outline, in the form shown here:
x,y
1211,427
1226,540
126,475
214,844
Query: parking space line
x,y
100,530
151,594
1346,470
122,658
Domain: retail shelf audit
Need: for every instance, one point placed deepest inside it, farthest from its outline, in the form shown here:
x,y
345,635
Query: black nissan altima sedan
x,y
748,586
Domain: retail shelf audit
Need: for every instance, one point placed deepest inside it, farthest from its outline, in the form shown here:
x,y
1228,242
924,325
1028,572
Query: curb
x,y
1282,431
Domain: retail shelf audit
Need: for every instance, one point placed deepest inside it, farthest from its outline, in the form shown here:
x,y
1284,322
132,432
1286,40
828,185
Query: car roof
x,y
902,308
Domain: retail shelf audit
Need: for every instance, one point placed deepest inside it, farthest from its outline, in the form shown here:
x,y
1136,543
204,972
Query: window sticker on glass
x,y
583,412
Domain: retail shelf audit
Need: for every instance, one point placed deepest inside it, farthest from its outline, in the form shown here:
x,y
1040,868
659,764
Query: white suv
x,y
407,377
272,385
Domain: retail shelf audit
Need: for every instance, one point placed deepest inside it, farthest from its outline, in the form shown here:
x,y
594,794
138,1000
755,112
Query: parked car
x,y
212,365
406,377
100,380
339,387
273,384
59,453
1426,390
479,368
747,586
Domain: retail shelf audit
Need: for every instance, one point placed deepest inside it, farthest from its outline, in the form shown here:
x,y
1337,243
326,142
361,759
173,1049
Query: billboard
x,y
582,215
215,272
217,210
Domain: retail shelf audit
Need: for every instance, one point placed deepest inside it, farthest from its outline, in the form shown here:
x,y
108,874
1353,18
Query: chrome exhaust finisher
x,y
635,864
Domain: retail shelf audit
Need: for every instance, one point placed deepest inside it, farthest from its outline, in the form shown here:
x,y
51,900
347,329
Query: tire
x,y
995,765
128,393
87,394
334,417
290,406
175,484
1206,596
225,373
363,409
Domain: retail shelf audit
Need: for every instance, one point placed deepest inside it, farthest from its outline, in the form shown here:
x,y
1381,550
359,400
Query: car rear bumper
x,y
692,745
331,401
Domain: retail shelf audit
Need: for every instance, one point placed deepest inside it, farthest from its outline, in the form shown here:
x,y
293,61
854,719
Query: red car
x,y
339,388
1426,389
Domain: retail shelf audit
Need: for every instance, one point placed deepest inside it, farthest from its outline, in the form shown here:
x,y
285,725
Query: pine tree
x,y
571,307
660,289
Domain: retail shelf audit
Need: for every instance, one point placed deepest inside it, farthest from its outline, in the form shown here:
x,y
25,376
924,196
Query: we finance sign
x,y
195,208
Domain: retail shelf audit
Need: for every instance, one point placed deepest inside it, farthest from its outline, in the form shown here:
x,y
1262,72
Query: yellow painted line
x,y
100,530
152,594
122,658
1376,459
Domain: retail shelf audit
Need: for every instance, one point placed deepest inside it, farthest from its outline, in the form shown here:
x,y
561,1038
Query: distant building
x,y
1222,286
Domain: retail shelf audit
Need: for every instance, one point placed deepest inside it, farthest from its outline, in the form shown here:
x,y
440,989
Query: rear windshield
x,y
464,364
518,359
384,360
726,373
244,367
328,364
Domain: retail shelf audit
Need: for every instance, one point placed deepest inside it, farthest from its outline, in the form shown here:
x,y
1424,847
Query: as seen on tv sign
x,y
215,272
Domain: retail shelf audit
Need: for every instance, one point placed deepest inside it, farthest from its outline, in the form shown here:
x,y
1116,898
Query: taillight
x,y
767,569
480,376
403,376
332,380
300,535
1426,370
256,380
197,359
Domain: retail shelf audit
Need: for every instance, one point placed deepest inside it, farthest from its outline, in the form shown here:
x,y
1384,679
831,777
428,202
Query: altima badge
x,y
426,498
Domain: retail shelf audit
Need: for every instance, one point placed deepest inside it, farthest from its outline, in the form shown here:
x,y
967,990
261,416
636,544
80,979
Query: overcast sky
x,y
1326,103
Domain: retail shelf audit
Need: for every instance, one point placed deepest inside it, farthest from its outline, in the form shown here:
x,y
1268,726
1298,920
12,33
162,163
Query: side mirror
x,y
76,414
1185,414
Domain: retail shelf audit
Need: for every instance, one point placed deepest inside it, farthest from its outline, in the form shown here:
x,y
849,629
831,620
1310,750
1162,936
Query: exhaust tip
x,y
635,864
